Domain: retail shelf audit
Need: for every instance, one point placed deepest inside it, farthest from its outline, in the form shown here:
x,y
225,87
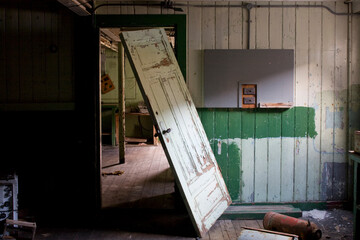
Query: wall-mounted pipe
x,y
248,6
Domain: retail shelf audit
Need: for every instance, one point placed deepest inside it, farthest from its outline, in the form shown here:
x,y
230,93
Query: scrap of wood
x,y
118,173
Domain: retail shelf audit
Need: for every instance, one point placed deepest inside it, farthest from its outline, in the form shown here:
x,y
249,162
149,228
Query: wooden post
x,y
121,104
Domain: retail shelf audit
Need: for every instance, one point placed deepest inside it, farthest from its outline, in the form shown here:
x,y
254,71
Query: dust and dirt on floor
x,y
334,223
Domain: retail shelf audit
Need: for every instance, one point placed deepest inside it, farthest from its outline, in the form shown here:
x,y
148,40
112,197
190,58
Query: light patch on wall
x,y
334,118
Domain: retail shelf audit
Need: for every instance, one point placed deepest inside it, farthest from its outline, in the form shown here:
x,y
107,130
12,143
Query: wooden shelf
x,y
138,114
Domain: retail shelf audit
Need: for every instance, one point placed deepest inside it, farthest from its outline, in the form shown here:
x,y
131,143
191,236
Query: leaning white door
x,y
181,132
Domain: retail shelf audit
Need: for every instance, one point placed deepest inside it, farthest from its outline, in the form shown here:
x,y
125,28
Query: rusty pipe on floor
x,y
282,223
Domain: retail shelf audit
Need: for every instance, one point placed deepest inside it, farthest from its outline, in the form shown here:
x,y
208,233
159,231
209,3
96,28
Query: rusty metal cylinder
x,y
282,223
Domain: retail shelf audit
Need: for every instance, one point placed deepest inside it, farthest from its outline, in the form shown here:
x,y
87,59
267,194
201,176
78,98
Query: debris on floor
x,y
314,214
335,224
118,173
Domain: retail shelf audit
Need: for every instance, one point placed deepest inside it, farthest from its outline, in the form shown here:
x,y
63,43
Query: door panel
x,y
186,145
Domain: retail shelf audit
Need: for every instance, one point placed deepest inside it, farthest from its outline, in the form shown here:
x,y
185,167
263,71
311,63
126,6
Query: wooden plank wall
x,y
280,155
29,71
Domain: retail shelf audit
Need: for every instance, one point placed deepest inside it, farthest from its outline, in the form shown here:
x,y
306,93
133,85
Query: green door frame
x,y
177,21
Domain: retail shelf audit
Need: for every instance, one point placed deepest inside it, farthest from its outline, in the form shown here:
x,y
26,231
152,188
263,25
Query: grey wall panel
x,y
225,70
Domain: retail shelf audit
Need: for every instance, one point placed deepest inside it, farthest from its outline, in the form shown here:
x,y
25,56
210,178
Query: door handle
x,y
166,131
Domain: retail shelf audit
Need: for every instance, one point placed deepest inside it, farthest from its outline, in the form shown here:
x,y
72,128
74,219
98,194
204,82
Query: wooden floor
x,y
146,182
141,203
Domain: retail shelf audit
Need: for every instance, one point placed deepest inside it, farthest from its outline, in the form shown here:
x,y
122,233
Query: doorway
x,y
143,157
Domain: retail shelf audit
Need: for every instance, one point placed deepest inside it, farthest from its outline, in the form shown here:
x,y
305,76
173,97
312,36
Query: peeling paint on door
x,y
181,132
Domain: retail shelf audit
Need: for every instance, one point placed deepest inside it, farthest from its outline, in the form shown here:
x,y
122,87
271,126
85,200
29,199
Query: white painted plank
x,y
301,89
208,26
26,75
3,92
194,80
354,98
262,26
313,178
341,110
275,29
185,11
261,144
274,154
261,167
235,26
288,143
222,26
251,41
327,103
248,169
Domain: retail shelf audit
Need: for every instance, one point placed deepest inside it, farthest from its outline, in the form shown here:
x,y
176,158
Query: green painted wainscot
x,y
260,153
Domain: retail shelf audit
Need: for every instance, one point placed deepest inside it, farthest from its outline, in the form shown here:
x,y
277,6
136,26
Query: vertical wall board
x,y
12,53
313,167
141,9
341,99
327,103
102,9
51,56
234,153
165,10
131,8
288,26
261,26
248,155
261,158
261,118
66,91
208,26
3,92
301,126
123,10
235,26
301,93
245,25
38,47
25,58
354,88
221,140
275,29
252,38
195,55
287,117
115,10
287,155
185,12
208,121
153,9
274,156
221,26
